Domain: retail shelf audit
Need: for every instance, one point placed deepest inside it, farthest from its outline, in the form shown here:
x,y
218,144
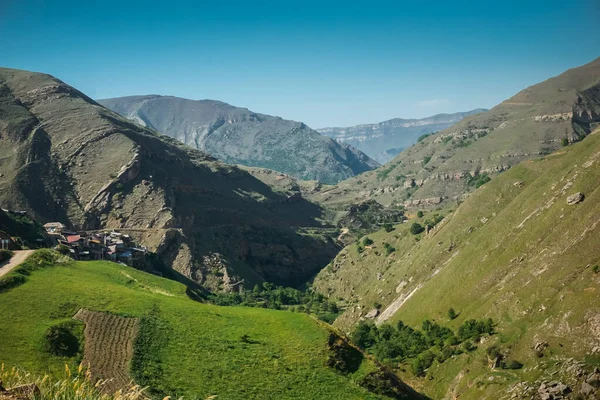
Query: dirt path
x,y
17,259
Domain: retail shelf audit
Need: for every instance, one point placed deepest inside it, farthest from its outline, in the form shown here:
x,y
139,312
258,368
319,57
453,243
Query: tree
x,y
367,241
452,314
419,214
388,227
416,228
564,142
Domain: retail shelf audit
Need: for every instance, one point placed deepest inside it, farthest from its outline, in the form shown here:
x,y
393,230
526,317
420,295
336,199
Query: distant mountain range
x,y
239,136
384,140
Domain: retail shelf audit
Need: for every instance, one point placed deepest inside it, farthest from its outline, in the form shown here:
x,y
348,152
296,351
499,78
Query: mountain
x,y
239,136
445,166
129,325
65,158
524,250
383,141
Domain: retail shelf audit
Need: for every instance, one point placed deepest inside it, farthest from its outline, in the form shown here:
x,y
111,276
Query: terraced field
x,y
108,347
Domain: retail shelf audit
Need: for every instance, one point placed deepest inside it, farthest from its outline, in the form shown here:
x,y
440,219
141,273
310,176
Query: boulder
x,y
372,314
575,198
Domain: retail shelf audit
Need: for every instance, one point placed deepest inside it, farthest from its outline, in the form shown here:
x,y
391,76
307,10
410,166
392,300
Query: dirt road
x,y
16,260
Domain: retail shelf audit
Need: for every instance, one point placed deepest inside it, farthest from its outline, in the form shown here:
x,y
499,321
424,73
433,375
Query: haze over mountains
x,y
239,136
384,140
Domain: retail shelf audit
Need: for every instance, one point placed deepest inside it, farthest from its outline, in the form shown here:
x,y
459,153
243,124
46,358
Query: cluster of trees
x,y
478,180
268,295
419,348
429,223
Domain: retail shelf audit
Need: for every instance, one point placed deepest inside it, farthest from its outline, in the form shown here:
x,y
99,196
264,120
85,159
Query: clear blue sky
x,y
321,62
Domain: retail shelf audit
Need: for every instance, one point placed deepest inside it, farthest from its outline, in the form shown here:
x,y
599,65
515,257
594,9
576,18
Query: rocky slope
x,y
239,136
524,249
384,140
446,165
63,157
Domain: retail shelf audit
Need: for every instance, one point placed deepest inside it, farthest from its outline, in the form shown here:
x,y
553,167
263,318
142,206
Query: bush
x,y
423,137
389,249
564,142
512,364
452,314
5,255
367,241
9,282
416,228
419,214
61,340
388,227
426,160
596,268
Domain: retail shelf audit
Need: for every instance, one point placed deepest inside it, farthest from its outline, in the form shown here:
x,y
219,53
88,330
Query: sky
x,y
325,63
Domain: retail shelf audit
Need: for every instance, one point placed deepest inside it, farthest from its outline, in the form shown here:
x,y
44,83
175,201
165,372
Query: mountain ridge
x,y
384,140
239,136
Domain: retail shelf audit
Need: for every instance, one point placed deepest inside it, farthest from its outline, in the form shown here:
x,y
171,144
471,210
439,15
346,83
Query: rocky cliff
x,y
63,157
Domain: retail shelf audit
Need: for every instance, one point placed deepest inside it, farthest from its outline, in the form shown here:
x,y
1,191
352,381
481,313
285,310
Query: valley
x,y
157,247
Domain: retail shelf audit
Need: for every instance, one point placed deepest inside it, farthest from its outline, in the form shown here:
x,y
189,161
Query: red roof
x,y
73,238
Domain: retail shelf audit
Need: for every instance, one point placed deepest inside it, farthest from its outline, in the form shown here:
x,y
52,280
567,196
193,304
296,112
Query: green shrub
x,y
452,314
61,340
596,268
9,282
564,142
416,228
388,227
426,160
419,214
512,364
423,137
5,255
367,241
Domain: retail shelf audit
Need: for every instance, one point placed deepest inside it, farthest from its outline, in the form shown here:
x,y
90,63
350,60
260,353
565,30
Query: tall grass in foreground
x,y
74,386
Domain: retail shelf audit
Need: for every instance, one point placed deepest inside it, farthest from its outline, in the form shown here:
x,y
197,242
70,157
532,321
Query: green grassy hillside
x,y
182,348
514,251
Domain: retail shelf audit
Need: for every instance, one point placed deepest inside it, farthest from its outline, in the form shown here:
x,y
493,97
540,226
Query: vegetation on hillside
x,y
419,348
184,348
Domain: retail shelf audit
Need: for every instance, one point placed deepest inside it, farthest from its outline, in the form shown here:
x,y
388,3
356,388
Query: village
x,y
109,245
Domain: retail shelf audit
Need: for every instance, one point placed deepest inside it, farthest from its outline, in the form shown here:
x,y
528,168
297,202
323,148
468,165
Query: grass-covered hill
x,y
126,324
239,136
65,158
515,251
444,166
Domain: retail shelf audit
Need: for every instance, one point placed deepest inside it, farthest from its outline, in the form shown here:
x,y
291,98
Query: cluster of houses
x,y
96,245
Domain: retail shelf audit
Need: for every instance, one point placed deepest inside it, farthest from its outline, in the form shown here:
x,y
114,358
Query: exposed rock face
x,y
575,199
237,135
384,140
66,158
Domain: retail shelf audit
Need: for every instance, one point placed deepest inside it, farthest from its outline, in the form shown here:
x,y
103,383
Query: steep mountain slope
x,y
522,250
384,140
65,158
144,327
447,165
239,136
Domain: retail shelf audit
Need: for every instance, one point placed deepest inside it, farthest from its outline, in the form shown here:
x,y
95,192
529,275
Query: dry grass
x,y
75,385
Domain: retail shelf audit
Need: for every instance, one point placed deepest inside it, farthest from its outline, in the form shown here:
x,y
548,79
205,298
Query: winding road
x,y
17,259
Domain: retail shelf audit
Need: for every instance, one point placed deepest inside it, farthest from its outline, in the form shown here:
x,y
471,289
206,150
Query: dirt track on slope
x,y
17,259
